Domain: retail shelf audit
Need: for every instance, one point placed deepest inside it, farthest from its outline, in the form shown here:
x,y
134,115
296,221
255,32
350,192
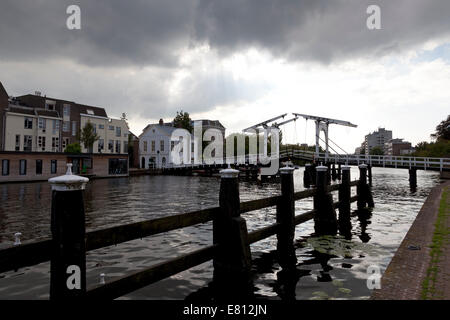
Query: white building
x,y
155,143
377,139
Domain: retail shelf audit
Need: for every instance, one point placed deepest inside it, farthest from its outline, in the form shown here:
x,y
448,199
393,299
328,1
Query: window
x,y
38,166
55,126
74,128
161,145
111,145
125,147
118,131
22,167
53,166
28,123
66,110
65,142
117,146
94,126
55,144
89,111
66,126
41,143
118,166
101,126
87,163
172,145
111,128
145,146
125,135
5,167
27,143
17,142
153,145
42,124
192,147
101,145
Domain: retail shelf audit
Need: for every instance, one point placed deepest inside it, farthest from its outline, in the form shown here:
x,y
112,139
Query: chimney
x,y
161,122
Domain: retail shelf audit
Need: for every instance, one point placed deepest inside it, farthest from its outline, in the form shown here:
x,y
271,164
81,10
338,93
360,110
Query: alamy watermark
x,y
188,148
374,277
373,22
73,21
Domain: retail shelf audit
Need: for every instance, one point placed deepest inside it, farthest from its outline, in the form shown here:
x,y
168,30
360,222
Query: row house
x,y
35,123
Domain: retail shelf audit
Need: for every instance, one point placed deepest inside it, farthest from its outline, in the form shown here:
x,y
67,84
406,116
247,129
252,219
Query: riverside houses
x,y
35,130
155,143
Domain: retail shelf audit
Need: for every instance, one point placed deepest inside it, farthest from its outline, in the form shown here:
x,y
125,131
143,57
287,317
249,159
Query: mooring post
x,y
333,172
232,263
328,165
369,174
325,221
344,202
363,190
307,176
413,178
285,219
68,252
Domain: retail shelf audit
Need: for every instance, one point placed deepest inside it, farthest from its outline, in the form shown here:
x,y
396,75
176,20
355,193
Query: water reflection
x,y
327,267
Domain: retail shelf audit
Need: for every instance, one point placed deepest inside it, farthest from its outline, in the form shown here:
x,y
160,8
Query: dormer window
x,y
89,111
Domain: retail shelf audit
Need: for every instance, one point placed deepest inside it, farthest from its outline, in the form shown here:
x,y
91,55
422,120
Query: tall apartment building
x,y
377,139
35,123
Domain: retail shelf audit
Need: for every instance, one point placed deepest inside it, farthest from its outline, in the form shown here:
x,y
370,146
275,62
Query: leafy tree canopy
x,y
74,148
376,151
182,120
88,136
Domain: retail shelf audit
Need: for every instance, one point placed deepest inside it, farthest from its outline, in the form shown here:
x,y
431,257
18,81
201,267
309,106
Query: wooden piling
x,y
339,172
285,219
369,174
333,172
344,202
413,178
68,252
307,175
325,221
328,175
232,263
363,189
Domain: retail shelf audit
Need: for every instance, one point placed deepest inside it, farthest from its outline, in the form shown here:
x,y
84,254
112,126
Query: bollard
x,y
17,236
363,189
328,165
307,176
325,221
232,263
413,178
369,174
345,226
333,172
68,252
285,218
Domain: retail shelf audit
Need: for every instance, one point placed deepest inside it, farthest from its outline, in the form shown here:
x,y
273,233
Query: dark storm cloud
x,y
319,30
140,33
114,32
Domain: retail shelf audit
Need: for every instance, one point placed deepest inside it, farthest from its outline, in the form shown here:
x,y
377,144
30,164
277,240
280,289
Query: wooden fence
x,y
230,250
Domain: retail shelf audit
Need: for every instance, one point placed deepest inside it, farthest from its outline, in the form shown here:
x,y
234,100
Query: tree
x,y
182,120
442,130
88,136
73,148
376,151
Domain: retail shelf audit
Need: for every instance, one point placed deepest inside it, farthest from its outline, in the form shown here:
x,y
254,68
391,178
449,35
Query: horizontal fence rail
x,y
234,226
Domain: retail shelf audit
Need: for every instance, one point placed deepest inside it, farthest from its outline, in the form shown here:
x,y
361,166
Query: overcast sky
x,y
238,61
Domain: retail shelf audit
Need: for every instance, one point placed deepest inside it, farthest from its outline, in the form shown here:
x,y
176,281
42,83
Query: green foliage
x,y
88,136
442,130
376,151
182,120
439,149
74,148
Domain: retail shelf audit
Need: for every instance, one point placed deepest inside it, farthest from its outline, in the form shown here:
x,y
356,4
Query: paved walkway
x,y
420,269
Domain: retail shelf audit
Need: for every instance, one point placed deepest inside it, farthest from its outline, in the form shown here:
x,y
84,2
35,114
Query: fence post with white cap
x,y
232,263
344,202
68,253
363,190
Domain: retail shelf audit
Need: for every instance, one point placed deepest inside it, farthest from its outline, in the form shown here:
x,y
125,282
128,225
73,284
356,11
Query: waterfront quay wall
x,y
40,166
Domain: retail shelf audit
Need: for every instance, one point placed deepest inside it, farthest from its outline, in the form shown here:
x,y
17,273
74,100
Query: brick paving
x,y
404,276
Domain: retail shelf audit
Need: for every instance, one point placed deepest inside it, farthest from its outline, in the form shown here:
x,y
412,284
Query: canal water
x,y
328,267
